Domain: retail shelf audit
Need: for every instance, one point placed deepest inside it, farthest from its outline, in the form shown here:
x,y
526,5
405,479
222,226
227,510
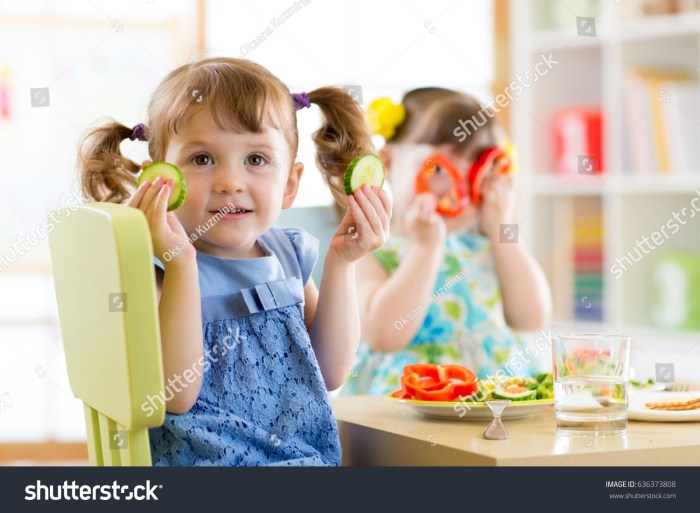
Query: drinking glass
x,y
591,381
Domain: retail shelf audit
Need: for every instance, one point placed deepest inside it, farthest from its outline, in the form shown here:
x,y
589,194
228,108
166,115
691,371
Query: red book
x,y
578,143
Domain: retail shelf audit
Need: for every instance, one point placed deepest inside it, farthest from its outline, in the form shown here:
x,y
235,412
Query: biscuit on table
x,y
688,404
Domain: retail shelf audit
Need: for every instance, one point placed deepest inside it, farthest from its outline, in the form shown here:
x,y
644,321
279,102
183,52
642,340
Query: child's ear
x,y
385,155
292,187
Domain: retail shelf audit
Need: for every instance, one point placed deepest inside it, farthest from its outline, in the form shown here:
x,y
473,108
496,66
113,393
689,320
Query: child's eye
x,y
256,160
202,159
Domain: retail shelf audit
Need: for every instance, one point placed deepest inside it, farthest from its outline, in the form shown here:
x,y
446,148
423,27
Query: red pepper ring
x,y
450,202
483,166
430,382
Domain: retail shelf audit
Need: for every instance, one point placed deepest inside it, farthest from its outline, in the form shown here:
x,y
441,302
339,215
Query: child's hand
x,y
167,233
498,205
423,225
365,226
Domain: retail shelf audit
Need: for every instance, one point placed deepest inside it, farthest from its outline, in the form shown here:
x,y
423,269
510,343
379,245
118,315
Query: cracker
x,y
677,408
688,404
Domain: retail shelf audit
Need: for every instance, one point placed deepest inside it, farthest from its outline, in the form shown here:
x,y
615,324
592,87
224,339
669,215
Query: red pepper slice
x,y
440,177
483,166
431,382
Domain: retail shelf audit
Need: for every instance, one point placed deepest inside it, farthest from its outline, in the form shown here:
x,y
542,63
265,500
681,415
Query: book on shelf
x,y
662,120
578,141
630,9
587,256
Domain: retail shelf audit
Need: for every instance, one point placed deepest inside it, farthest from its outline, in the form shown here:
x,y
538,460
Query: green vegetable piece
x,y
367,169
169,172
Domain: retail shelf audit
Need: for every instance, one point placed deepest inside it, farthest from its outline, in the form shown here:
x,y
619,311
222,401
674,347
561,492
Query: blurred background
x,y
601,98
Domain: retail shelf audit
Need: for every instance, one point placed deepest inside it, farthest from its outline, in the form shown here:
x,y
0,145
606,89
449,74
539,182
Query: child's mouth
x,y
234,212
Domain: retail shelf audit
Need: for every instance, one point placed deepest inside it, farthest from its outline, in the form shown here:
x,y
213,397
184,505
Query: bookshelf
x,y
648,174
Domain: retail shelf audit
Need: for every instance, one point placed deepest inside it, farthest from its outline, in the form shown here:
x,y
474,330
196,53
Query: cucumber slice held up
x,y
366,169
169,172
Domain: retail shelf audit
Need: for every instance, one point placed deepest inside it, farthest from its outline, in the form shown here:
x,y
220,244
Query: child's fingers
x,y
384,198
379,208
424,212
420,201
369,211
357,214
151,193
428,205
159,205
138,196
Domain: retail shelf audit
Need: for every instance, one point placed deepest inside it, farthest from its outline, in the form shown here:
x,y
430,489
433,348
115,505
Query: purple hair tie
x,y
138,132
301,100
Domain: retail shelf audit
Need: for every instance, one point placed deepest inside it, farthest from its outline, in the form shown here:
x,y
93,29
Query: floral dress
x,y
463,321
263,400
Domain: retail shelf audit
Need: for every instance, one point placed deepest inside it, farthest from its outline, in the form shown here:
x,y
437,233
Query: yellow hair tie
x,y
385,116
512,152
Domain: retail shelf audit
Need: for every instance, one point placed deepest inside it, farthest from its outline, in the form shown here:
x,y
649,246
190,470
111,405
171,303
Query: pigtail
x,y
343,136
106,174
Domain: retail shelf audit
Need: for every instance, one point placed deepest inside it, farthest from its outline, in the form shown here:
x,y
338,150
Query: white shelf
x,y
609,183
593,71
634,331
566,185
561,39
659,184
641,29
660,27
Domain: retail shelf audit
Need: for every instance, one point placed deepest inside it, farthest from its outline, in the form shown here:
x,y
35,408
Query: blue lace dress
x,y
263,400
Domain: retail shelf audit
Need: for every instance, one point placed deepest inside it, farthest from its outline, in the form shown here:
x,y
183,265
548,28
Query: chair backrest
x,y
105,287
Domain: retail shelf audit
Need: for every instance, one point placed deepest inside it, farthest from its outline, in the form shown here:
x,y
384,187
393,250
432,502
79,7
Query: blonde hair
x,y
241,96
433,114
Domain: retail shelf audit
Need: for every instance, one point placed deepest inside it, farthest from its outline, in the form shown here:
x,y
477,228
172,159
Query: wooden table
x,y
376,432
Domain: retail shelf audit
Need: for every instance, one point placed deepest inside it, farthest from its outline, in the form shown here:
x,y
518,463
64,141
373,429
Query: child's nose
x,y
229,178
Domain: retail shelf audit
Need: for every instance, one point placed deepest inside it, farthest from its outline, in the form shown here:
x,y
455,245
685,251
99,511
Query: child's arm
x,y
527,302
180,314
179,308
335,329
389,304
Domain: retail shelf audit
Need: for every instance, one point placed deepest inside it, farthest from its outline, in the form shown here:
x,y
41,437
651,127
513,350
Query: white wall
x,y
387,47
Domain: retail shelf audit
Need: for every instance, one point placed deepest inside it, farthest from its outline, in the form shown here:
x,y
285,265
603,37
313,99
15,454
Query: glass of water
x,y
591,381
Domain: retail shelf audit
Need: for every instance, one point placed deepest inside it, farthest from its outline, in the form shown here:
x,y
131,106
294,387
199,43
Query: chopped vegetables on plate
x,y
518,388
432,382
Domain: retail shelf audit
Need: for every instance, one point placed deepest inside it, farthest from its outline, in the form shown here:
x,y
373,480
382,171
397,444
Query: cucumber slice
x,y
524,395
169,172
367,169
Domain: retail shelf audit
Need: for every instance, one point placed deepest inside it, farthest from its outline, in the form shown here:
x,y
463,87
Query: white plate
x,y
637,410
472,410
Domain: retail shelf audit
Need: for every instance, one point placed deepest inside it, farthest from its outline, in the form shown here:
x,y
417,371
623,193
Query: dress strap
x,y
259,298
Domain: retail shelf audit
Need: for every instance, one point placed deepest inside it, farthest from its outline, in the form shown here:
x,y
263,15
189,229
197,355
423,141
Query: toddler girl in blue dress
x,y
250,345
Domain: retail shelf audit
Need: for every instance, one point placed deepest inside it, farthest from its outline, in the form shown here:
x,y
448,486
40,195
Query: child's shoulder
x,y
293,246
296,236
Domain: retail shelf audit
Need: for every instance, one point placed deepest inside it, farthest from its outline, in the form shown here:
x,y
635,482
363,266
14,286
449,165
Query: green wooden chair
x,y
105,287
